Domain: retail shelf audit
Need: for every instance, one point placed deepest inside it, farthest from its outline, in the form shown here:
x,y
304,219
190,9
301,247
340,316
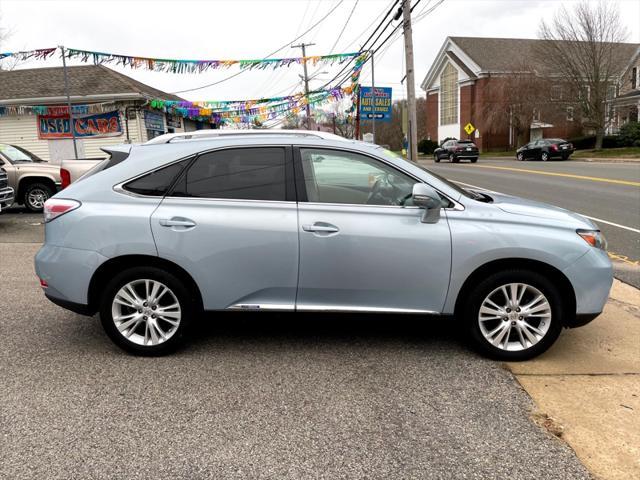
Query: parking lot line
x,y
566,175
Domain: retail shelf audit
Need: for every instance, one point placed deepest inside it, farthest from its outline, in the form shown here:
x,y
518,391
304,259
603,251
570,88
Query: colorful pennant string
x,y
40,54
173,65
57,110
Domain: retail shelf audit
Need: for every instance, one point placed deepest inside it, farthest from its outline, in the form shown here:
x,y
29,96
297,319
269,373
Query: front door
x,y
231,222
361,247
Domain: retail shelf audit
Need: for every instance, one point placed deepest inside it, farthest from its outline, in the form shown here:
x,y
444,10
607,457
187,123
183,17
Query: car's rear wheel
x,y
520,156
453,158
146,311
35,195
514,315
544,156
474,159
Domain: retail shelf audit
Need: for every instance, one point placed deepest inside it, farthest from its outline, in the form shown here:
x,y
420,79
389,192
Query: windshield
x,y
17,154
457,188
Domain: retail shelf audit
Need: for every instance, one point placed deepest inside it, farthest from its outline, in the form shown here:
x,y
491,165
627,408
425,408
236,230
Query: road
x,y
609,193
254,396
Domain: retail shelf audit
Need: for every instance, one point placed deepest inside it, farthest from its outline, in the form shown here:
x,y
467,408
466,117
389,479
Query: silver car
x,y
299,221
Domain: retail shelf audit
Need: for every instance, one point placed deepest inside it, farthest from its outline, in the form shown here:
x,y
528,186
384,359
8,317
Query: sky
x,y
245,29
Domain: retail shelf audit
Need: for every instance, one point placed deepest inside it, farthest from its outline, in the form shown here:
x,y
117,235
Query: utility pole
x,y
66,92
411,84
373,101
306,79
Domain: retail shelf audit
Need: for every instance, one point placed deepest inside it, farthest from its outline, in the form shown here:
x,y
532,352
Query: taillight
x,y
554,147
54,207
65,177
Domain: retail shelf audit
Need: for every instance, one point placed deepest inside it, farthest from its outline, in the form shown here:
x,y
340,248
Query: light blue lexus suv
x,y
303,221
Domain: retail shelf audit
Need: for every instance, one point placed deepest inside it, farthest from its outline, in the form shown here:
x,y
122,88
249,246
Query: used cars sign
x,y
98,125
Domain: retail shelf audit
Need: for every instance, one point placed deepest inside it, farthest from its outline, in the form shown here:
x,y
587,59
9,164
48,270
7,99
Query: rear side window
x,y
158,182
238,173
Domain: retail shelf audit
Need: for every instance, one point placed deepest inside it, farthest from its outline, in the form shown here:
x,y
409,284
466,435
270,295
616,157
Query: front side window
x,y
156,183
449,95
236,173
333,176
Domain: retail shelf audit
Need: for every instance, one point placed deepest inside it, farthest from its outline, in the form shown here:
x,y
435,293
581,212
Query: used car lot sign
x,y
98,125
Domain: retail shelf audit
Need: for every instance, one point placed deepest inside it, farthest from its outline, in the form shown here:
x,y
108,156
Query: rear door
x,y
231,222
360,249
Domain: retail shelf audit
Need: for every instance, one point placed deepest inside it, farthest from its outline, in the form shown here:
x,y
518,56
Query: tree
x,y
11,62
581,46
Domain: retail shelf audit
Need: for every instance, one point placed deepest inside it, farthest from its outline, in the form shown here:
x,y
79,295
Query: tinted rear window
x,y
238,173
158,182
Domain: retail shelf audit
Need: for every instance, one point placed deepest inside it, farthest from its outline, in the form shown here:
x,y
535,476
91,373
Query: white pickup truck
x,y
72,170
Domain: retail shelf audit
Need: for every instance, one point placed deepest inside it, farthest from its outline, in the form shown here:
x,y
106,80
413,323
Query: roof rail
x,y
207,134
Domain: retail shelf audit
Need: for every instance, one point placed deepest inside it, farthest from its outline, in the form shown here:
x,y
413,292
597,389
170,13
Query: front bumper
x,y
6,197
591,277
67,272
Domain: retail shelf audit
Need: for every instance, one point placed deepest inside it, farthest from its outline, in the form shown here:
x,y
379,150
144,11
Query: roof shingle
x,y
83,80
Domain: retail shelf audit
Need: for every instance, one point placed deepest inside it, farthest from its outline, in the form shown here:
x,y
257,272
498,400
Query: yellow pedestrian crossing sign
x,y
469,128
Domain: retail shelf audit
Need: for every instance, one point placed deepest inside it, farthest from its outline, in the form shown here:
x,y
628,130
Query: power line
x,y
345,26
266,56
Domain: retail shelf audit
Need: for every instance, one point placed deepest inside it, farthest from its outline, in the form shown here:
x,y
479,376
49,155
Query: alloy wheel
x,y
146,312
36,198
514,317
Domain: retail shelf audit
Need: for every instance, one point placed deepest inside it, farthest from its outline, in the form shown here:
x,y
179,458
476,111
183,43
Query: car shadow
x,y
336,329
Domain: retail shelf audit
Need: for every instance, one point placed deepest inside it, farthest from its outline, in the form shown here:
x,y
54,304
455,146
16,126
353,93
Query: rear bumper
x,y
68,272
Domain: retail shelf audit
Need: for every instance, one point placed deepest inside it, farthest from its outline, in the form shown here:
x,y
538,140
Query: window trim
x,y
302,191
119,187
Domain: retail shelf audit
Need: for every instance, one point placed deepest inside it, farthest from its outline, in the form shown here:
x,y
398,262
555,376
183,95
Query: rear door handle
x,y
177,222
321,227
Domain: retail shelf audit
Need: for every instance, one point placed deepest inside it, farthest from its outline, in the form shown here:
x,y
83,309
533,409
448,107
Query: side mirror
x,y
424,196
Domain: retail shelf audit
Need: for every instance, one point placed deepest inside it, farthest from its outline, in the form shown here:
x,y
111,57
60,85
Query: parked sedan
x,y
456,150
545,149
312,222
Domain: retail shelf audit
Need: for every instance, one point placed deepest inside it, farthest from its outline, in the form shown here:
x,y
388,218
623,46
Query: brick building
x,y
467,82
625,107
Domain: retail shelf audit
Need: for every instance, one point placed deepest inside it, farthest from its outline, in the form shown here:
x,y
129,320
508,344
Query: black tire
x,y
485,287
474,159
35,195
185,299
544,156
453,158
436,158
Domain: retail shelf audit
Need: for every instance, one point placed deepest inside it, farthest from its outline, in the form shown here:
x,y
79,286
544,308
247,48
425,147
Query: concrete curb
x,y
587,387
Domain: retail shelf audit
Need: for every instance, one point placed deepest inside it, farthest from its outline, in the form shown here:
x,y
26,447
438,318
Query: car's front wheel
x,y
453,158
35,195
436,158
146,311
520,156
514,315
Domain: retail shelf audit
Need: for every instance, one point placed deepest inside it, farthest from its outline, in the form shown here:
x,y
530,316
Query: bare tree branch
x,y
581,47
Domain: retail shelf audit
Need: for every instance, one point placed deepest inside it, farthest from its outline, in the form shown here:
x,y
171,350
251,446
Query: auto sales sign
x,y
99,125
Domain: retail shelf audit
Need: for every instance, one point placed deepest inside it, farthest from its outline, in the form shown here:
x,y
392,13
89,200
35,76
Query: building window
x,y
556,92
634,77
449,95
611,92
569,114
536,115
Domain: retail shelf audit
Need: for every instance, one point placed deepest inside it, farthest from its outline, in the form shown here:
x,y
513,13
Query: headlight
x,y
595,238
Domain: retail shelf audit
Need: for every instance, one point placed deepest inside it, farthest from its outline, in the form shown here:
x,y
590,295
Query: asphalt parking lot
x,y
254,396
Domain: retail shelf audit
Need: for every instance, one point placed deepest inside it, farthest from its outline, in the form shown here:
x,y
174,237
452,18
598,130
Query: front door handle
x,y
321,228
177,222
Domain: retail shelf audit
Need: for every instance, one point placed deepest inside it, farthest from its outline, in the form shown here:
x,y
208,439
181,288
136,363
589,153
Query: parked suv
x,y
456,150
33,180
312,222
545,149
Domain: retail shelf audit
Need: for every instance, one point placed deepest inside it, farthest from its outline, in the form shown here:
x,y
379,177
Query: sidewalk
x,y
587,387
